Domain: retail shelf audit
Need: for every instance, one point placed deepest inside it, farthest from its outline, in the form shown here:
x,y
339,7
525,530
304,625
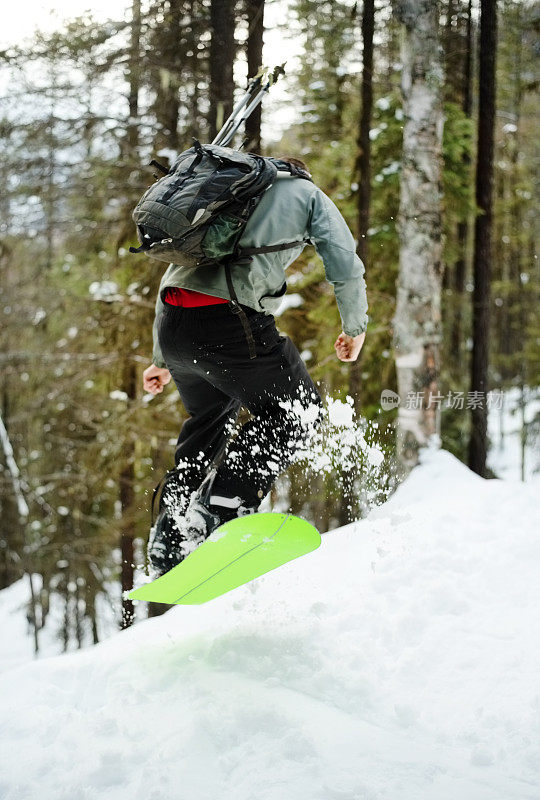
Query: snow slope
x,y
401,661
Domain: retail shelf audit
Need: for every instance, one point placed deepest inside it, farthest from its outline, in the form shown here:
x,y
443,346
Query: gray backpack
x,y
196,214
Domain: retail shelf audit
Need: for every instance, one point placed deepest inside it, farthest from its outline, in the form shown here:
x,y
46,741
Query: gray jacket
x,y
291,209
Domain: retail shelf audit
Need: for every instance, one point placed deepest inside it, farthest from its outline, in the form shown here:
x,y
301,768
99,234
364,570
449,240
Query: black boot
x,y
165,534
163,542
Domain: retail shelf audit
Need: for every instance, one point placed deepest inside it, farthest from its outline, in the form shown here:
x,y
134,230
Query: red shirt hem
x,y
175,296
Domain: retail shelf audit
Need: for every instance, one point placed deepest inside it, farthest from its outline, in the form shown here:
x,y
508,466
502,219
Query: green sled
x,y
237,552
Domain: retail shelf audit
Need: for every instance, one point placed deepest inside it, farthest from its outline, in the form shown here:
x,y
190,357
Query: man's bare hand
x,y
348,347
155,379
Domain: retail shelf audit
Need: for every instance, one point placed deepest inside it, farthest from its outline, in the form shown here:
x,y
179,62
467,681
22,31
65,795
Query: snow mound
x,y
400,661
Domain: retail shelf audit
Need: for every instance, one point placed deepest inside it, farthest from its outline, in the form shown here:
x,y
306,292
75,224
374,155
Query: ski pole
x,y
228,129
223,133
234,120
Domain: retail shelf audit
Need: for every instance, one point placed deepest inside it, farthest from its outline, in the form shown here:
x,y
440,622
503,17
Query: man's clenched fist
x,y
348,347
155,378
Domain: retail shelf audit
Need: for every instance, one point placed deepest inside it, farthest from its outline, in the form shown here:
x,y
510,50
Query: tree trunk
x,y
460,268
10,570
134,78
363,166
482,234
167,104
127,502
418,315
254,48
349,503
66,615
196,66
24,513
129,380
222,52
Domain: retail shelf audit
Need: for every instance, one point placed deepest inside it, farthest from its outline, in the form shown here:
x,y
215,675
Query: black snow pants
x,y
206,352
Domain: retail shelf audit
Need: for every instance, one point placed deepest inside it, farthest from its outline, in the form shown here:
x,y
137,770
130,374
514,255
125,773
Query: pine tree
x,y
254,51
459,78
364,142
222,54
482,234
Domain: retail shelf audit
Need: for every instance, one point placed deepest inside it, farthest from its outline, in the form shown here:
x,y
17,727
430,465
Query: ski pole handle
x,y
234,120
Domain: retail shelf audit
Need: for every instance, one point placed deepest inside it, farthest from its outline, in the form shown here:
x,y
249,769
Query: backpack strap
x,y
183,177
236,308
286,169
270,248
158,165
244,255
138,249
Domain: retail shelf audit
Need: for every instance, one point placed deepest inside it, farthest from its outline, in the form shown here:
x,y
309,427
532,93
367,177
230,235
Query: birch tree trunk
x,y
418,310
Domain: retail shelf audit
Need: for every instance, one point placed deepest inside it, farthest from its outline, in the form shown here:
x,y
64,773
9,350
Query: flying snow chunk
x,y
306,414
340,414
375,456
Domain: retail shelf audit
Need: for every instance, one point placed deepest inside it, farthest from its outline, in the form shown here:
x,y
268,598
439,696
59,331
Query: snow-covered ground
x,y
400,661
17,640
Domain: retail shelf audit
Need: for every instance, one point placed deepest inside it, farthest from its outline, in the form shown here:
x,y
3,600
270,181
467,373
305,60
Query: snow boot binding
x,y
207,511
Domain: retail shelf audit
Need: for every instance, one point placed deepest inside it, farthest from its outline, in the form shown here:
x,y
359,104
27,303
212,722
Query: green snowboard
x,y
237,552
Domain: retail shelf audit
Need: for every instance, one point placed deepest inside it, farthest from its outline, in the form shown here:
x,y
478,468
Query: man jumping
x,y
201,342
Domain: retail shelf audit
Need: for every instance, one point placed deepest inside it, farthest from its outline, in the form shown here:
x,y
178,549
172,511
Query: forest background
x,y
83,110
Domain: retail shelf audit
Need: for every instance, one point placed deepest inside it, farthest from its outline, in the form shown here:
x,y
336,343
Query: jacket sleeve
x,y
335,244
157,356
